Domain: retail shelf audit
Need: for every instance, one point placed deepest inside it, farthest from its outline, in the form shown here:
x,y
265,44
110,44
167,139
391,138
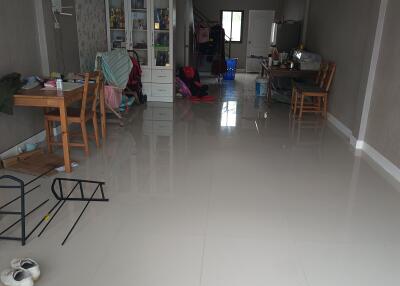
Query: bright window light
x,y
232,22
228,114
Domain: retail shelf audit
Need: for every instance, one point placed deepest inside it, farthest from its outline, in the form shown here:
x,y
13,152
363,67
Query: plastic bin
x,y
261,86
230,69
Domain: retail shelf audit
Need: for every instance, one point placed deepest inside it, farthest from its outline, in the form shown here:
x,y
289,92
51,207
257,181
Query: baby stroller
x,y
134,88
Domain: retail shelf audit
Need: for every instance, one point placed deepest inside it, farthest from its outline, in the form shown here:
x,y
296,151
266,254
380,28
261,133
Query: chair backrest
x,y
321,73
326,82
91,93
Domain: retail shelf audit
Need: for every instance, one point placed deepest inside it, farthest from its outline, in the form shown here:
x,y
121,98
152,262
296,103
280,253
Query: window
x,y
232,22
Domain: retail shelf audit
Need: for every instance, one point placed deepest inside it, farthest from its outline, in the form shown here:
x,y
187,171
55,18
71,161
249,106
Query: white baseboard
x,y
363,146
343,129
381,160
35,139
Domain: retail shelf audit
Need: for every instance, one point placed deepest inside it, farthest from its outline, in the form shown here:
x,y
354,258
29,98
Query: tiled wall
x,y
91,26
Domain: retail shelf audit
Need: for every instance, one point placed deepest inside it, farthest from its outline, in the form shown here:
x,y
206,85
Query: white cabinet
x,y
147,26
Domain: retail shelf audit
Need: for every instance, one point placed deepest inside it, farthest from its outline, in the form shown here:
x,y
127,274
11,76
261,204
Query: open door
x,y
258,38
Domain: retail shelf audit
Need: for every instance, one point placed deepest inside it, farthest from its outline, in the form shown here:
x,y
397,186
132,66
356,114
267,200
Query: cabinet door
x,y
117,24
139,29
162,33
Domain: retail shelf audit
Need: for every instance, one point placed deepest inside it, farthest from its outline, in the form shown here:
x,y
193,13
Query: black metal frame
x,y
21,186
62,198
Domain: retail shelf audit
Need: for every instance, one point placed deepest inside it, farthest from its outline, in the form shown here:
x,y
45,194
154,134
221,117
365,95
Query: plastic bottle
x,y
59,84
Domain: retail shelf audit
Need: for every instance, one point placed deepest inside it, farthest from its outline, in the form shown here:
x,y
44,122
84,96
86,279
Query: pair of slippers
x,y
23,272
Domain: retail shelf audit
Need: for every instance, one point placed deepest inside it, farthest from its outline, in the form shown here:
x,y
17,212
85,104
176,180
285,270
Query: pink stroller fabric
x,y
182,88
112,96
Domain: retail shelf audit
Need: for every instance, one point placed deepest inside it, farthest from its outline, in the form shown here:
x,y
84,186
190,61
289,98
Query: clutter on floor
x,y
23,272
13,183
62,198
34,163
58,190
189,85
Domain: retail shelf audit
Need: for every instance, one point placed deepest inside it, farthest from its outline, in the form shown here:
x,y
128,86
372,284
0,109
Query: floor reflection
x,y
229,114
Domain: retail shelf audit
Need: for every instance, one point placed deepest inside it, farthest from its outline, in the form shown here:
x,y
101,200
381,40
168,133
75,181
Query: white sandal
x,y
16,277
27,264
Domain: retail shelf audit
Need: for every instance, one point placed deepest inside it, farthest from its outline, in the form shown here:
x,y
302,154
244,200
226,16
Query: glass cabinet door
x,y
117,24
140,26
161,27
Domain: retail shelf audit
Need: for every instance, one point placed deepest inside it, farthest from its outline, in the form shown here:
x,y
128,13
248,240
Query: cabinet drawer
x,y
161,76
163,114
146,75
163,90
147,89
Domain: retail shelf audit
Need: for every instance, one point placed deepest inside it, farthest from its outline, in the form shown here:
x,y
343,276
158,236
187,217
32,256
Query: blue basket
x,y
230,69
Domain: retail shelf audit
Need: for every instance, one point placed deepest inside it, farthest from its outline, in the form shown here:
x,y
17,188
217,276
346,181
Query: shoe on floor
x,y
27,264
16,277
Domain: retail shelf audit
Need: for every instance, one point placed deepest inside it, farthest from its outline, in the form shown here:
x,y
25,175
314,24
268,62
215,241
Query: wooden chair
x,y
317,82
87,111
317,93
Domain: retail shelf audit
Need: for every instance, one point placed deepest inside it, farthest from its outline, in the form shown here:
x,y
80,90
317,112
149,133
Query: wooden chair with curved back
x,y
318,93
86,112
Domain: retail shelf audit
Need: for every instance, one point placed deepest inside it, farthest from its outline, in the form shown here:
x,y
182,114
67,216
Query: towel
x,y
116,66
9,85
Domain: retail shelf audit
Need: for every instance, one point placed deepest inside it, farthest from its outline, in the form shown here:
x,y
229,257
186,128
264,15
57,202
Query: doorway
x,y
258,39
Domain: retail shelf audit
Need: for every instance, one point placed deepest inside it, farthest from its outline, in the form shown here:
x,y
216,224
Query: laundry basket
x,y
230,69
261,86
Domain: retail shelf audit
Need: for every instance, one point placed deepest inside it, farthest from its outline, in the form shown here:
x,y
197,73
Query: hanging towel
x,y
116,66
9,85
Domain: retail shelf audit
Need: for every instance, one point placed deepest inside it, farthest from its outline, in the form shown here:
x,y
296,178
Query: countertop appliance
x,y
286,36
307,60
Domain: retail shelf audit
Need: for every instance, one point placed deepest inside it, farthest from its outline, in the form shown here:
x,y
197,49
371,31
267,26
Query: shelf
x,y
161,49
139,30
162,31
139,10
136,49
117,29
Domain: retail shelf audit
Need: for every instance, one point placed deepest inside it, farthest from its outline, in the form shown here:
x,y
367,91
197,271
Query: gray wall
x,y
20,52
383,129
343,31
293,10
212,9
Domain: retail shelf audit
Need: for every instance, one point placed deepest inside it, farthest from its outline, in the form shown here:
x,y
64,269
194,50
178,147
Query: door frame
x,y
248,31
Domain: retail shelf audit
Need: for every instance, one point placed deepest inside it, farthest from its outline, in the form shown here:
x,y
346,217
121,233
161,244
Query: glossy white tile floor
x,y
224,193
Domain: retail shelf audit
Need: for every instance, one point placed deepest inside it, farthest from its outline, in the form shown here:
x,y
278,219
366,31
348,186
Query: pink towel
x,y
113,96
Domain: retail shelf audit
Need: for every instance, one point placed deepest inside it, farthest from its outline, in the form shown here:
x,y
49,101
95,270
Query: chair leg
x,y
96,130
301,106
325,102
295,103
85,137
292,100
48,128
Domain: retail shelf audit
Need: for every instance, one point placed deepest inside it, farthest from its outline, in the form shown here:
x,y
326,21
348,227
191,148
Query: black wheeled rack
x,y
58,191
17,184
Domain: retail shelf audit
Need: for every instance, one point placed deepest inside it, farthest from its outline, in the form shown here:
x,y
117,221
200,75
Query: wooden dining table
x,y
278,72
52,98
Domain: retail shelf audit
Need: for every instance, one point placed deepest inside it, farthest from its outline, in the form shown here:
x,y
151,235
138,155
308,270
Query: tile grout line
x,y
205,232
